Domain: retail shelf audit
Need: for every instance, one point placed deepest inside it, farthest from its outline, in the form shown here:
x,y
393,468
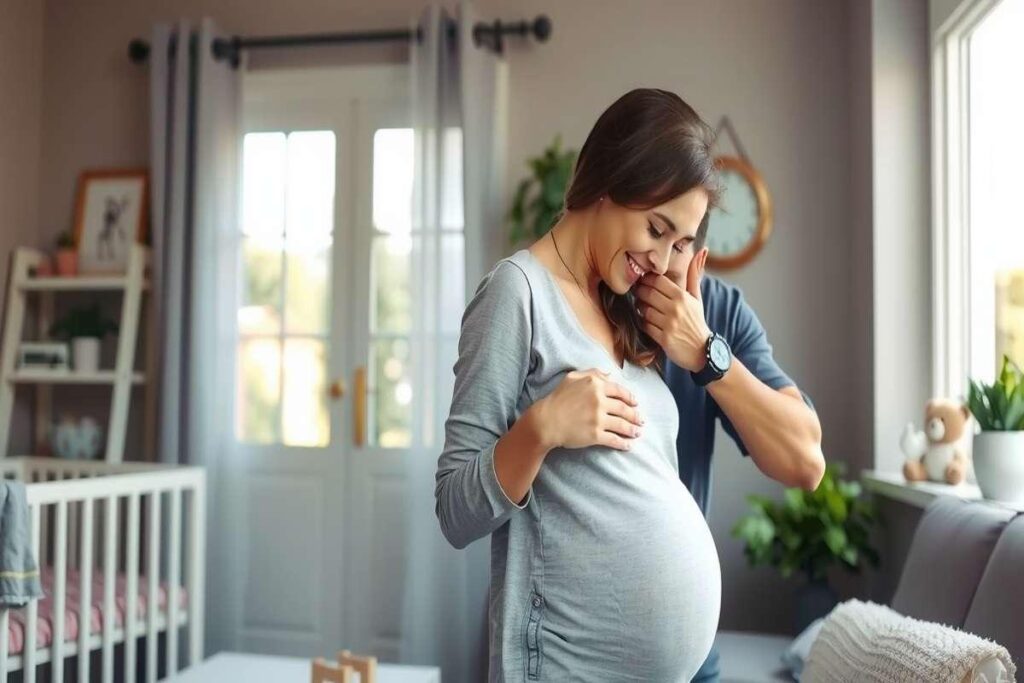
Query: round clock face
x,y
734,225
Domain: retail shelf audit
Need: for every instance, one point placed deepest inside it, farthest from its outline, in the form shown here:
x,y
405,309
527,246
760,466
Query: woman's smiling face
x,y
630,242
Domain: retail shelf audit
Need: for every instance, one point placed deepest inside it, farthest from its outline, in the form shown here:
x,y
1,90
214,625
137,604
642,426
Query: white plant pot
x,y
85,354
999,465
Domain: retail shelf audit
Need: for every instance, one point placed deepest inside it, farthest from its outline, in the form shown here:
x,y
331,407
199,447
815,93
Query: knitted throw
x,y
864,641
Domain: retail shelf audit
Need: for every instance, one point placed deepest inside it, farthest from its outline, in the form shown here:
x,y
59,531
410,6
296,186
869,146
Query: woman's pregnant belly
x,y
631,574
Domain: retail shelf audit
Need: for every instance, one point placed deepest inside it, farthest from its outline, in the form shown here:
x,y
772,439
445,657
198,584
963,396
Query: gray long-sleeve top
x,y
606,571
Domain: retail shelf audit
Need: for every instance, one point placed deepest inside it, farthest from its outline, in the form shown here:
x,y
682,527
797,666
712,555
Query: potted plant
x,y
998,409
810,532
67,255
538,199
85,327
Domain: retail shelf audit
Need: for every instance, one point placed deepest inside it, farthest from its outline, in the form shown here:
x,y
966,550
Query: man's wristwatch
x,y
719,358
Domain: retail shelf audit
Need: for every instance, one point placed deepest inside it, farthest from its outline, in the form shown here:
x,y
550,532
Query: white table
x,y
225,667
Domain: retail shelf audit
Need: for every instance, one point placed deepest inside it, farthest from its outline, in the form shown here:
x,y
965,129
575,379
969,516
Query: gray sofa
x,y
964,568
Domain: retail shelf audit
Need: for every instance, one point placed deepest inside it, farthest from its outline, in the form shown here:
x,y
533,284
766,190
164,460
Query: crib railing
x,y
131,518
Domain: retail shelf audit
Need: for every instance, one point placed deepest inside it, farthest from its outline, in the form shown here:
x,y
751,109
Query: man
x,y
719,365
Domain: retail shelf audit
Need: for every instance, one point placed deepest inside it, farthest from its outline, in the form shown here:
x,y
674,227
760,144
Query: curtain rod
x,y
491,35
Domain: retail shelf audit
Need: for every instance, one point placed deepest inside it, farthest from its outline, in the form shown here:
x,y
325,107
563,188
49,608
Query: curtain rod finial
x,y
542,27
138,51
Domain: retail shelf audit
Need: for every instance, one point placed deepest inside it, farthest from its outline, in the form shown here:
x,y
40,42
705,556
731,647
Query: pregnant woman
x,y
560,441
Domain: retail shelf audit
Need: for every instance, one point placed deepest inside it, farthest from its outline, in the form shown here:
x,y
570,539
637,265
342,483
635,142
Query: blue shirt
x,y
728,314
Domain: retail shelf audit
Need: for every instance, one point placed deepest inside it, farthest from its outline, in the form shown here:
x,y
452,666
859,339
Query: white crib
x,y
140,528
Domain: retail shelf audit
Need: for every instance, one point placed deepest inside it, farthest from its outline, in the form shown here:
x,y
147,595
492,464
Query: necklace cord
x,y
573,275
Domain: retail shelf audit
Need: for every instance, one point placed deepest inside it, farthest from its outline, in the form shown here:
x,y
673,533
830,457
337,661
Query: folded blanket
x,y
19,576
863,641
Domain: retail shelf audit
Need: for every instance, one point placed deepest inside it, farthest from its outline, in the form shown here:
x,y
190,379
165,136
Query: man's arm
x,y
779,431
761,409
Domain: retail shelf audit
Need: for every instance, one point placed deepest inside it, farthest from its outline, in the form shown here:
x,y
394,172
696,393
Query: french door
x,y
315,487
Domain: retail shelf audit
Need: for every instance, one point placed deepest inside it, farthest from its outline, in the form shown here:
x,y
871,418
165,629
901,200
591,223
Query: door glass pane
x,y
451,196
283,316
263,186
259,374
391,393
304,411
260,309
389,279
392,179
307,290
310,186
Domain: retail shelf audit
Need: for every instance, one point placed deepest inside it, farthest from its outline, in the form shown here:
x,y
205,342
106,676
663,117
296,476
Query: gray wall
x,y
891,249
21,68
779,69
901,157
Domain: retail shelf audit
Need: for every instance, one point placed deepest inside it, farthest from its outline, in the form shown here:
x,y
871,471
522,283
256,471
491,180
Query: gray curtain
x,y
458,105
194,159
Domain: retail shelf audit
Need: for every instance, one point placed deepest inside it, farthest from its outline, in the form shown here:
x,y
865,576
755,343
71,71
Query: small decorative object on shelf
x,y
937,453
999,446
76,439
85,327
44,269
51,356
809,532
67,256
110,216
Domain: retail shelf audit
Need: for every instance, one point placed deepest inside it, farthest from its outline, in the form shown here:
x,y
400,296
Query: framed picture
x,y
111,212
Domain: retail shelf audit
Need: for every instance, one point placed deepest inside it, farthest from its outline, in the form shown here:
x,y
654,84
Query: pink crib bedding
x,y
72,599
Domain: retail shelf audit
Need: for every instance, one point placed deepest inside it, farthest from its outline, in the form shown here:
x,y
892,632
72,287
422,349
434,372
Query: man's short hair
x,y
702,233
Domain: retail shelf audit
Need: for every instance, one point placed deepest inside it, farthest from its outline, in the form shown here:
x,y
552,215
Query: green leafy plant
x,y
999,407
810,531
65,240
538,199
84,321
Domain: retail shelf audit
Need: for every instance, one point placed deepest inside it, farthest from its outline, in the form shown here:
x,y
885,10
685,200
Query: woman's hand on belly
x,y
587,409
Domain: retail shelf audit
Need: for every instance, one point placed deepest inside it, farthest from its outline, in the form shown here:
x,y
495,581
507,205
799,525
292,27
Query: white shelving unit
x,y
121,378
69,377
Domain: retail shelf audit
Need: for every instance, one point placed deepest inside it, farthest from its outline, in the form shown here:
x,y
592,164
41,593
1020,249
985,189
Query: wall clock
x,y
740,226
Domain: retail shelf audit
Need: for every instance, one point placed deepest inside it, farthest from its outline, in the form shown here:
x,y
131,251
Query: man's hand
x,y
674,317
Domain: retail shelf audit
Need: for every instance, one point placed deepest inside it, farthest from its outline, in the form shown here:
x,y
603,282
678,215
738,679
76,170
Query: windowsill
x,y
892,485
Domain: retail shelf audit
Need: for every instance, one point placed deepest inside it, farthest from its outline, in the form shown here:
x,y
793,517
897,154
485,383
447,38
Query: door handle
x,y
337,390
359,407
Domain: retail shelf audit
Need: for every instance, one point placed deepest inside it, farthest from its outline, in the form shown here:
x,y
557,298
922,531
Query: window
x,y
283,315
996,225
978,253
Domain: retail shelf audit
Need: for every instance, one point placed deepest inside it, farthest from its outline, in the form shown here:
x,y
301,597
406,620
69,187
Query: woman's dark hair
x,y
646,149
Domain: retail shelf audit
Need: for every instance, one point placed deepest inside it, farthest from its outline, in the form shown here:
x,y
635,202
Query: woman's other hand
x,y
588,409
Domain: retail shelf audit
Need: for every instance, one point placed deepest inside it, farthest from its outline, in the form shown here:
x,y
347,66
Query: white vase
x,y
85,354
999,465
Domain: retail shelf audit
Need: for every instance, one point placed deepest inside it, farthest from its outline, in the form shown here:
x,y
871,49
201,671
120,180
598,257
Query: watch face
x,y
720,355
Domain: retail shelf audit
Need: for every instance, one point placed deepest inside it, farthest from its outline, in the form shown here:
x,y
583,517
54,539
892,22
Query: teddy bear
x,y
936,453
